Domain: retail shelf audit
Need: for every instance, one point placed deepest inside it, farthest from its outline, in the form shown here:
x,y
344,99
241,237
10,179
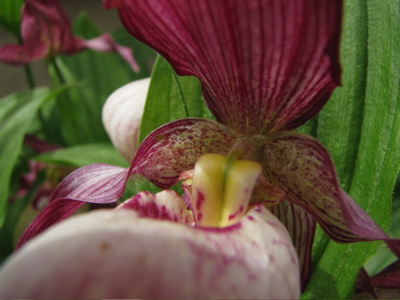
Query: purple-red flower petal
x,y
264,66
54,212
364,283
97,183
301,227
116,255
302,167
175,147
389,278
46,32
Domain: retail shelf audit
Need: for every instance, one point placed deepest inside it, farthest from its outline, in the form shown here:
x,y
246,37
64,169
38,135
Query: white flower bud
x,y
122,116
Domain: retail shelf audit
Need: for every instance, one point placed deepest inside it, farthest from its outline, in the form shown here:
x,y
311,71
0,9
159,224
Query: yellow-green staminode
x,y
221,190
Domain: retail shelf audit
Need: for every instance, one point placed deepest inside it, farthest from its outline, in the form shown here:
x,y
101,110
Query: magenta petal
x,y
301,227
105,43
116,255
166,205
264,65
389,278
54,212
97,183
364,283
15,55
174,147
302,167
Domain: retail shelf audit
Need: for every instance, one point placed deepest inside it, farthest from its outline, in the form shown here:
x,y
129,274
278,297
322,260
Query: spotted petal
x,y
264,65
175,147
302,167
114,255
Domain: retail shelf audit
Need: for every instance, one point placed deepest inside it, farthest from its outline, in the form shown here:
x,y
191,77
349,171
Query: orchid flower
x,y
266,68
46,32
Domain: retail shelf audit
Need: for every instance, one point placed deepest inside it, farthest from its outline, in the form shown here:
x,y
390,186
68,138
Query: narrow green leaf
x,y
367,154
10,15
83,155
16,114
13,215
170,98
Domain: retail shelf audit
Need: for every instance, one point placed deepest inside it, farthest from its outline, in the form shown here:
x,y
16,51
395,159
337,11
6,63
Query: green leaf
x,y
360,126
10,15
16,114
78,113
14,213
171,98
83,155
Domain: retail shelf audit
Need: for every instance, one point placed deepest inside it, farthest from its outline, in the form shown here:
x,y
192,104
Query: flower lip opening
x,y
222,188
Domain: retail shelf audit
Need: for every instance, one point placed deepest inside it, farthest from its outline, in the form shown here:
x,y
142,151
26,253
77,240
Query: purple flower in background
x,y
266,68
46,32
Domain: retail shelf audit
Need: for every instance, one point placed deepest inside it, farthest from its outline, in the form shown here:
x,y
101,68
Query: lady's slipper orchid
x,y
122,115
46,32
266,68
146,248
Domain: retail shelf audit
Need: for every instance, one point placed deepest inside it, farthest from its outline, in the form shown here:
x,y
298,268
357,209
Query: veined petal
x,y
122,115
301,227
302,167
175,147
56,211
264,66
114,254
97,183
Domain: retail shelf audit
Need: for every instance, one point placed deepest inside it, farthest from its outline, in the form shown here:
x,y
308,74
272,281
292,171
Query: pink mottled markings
x,y
167,205
123,251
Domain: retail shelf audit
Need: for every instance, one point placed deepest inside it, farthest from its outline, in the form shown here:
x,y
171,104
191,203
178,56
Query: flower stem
x,y
28,70
29,77
60,77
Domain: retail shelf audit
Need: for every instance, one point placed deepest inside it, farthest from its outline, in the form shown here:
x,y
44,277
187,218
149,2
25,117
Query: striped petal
x,y
113,254
302,167
264,66
97,183
301,227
